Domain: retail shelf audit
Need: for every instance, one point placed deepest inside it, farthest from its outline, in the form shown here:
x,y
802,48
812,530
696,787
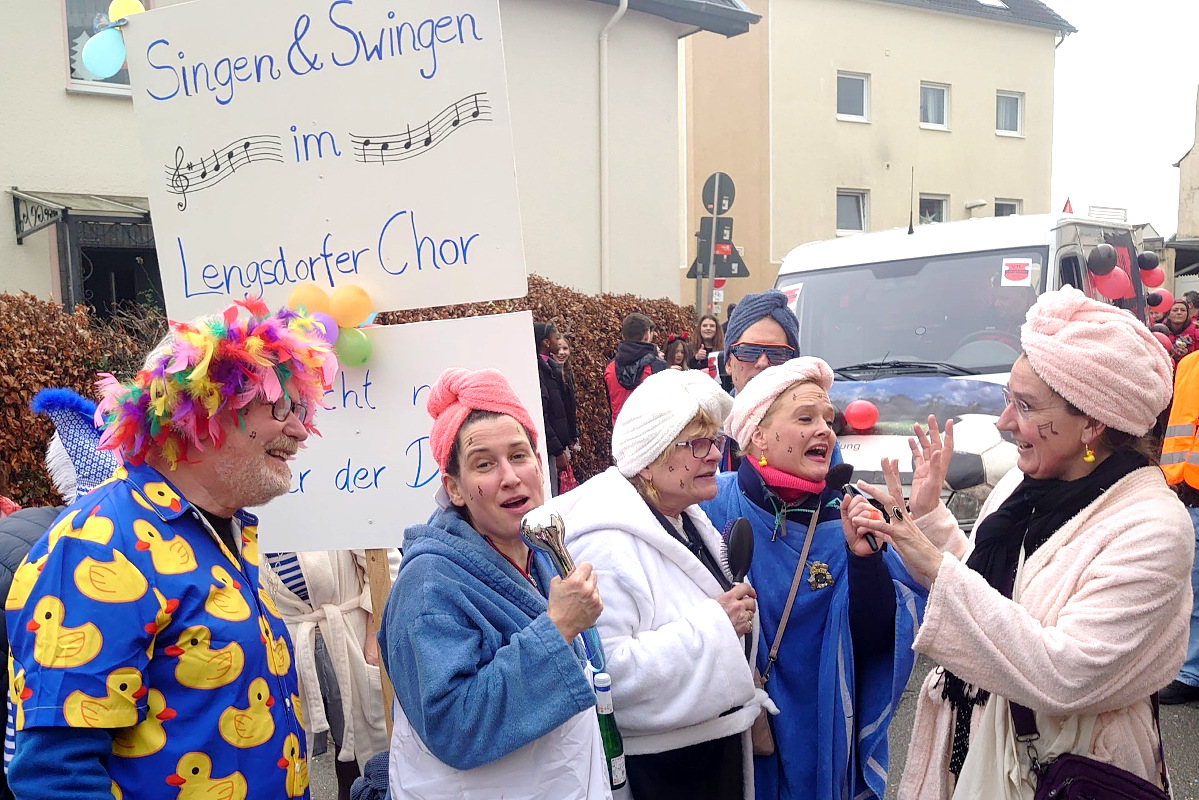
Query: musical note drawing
x,y
179,180
188,177
399,146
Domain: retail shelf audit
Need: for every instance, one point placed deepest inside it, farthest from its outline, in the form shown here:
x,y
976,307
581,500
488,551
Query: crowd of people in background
x,y
155,651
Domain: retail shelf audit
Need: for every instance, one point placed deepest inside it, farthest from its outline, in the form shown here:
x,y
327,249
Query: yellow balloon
x,y
124,8
311,297
350,306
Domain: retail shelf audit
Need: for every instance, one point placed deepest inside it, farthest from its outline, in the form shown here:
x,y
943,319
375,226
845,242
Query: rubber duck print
x,y
117,709
18,693
166,608
224,599
193,776
268,602
55,644
278,653
148,736
116,581
249,544
22,582
160,494
95,528
172,556
117,794
253,725
202,667
296,766
295,707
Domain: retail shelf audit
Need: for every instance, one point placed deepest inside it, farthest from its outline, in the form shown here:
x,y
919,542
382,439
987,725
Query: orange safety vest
x,y
1180,449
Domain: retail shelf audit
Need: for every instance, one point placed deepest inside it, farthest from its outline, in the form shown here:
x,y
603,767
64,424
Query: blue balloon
x,y
104,53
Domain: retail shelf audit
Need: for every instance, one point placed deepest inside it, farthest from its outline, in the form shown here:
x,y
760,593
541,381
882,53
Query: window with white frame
x,y
853,97
933,208
851,211
934,106
1009,113
1005,208
83,20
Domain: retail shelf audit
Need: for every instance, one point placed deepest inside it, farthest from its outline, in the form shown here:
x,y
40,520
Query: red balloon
x,y
861,415
1153,277
1164,339
1114,285
1164,300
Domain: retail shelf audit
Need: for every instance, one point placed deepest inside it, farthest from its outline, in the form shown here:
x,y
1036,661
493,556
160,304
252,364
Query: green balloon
x,y
353,348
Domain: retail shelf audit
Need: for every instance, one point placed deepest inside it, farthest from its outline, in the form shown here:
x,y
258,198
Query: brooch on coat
x,y
818,575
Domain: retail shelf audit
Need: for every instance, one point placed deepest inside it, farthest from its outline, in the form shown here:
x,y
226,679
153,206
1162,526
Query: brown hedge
x,y
592,324
42,346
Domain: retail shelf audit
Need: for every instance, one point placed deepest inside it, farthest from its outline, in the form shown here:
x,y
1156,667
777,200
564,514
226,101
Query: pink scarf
x,y
787,486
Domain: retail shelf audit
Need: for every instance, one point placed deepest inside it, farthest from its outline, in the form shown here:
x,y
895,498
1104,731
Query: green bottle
x,y
613,744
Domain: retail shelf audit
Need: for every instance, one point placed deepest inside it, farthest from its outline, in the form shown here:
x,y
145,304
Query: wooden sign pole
x,y
380,580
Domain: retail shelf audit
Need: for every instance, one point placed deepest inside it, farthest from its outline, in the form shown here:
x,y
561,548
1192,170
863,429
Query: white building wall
x,y
54,140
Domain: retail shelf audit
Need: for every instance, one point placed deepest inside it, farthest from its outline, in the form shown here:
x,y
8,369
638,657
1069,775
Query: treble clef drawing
x,y
179,181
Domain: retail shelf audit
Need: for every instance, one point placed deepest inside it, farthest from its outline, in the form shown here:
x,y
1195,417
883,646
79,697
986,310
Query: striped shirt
x,y
287,567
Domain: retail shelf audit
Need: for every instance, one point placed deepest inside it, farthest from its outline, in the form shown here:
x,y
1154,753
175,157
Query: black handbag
x,y
1074,777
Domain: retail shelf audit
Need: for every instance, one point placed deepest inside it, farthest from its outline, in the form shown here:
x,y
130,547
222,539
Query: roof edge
x,y
729,18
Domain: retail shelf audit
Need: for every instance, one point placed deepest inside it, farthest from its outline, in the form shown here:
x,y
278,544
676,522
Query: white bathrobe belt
x,y
330,620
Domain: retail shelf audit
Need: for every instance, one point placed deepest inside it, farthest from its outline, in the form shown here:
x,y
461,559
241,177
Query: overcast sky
x,y
1124,105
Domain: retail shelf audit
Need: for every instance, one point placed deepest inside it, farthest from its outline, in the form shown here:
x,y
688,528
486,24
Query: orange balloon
x,y
310,297
350,306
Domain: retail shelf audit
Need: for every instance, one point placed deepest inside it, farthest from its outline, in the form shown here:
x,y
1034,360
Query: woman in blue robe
x,y
845,655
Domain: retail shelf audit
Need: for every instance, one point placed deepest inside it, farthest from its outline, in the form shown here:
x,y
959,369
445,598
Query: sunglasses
x,y
703,445
775,353
284,406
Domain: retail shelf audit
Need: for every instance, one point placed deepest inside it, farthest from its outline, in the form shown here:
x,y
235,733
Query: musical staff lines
x,y
418,139
188,176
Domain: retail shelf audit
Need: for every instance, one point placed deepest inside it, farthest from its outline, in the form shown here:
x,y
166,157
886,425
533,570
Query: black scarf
x,y
1035,511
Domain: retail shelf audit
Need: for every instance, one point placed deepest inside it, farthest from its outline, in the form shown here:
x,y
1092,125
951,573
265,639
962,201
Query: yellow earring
x,y
762,461
1088,455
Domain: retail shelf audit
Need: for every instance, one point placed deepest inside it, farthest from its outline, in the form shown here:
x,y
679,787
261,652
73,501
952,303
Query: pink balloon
x,y
1165,300
1163,338
1153,278
1114,285
325,321
861,415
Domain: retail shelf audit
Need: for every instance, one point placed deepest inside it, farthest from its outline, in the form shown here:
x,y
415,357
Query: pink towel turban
x,y
752,402
457,392
1101,359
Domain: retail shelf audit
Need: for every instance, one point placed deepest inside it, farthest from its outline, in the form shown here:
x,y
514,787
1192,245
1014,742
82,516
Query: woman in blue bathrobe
x,y
479,635
845,653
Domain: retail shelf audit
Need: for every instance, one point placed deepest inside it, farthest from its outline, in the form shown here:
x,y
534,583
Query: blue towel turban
x,y
753,307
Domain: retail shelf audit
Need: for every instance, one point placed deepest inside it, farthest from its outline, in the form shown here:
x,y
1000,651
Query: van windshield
x,y
954,315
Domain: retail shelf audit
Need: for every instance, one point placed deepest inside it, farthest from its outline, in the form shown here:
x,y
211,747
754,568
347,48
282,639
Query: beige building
x,y
71,164
839,116
1183,247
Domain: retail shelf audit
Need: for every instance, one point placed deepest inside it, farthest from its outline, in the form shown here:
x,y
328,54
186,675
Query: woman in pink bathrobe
x,y
1072,596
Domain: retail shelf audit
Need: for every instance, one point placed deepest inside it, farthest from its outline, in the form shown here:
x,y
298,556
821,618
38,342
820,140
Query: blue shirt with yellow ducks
x,y
131,615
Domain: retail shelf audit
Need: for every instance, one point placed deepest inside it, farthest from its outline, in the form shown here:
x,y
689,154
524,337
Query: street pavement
x,y
1180,727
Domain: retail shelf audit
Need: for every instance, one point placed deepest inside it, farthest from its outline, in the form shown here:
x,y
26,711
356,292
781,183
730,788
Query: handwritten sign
x,y
371,472
329,141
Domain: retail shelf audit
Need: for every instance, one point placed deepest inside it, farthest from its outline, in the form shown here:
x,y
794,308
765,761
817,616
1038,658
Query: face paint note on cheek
x,y
776,437
681,484
1047,426
253,434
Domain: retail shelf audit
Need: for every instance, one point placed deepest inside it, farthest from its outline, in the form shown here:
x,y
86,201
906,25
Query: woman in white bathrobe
x,y
1072,598
673,620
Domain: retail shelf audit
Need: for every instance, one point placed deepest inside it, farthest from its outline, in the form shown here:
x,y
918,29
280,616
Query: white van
x,y
928,323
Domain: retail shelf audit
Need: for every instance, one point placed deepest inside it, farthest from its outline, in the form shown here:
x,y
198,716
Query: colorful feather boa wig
x,y
209,365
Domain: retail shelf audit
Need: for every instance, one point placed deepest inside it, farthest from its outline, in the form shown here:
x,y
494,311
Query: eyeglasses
x,y
775,353
703,445
1022,408
285,405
